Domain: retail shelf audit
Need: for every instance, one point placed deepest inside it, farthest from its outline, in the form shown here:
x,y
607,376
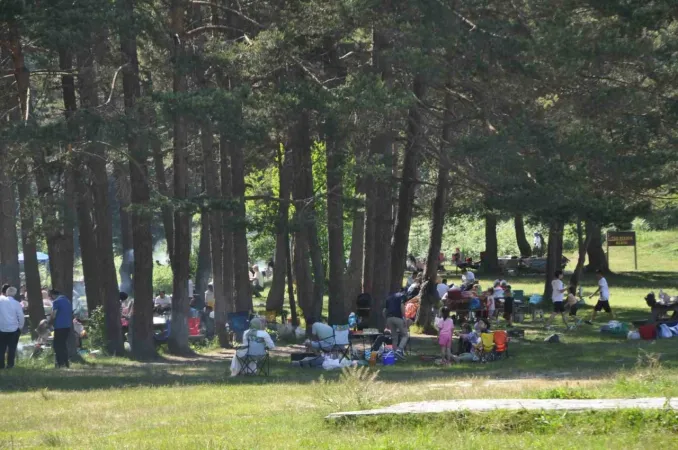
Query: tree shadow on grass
x,y
584,353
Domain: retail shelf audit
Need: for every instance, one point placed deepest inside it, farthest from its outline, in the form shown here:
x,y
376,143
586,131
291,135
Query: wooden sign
x,y
621,238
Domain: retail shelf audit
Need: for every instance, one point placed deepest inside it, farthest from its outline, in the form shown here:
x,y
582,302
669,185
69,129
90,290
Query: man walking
x,y
11,324
62,320
604,300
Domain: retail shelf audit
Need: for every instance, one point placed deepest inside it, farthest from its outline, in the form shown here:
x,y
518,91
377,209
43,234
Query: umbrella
x,y
42,257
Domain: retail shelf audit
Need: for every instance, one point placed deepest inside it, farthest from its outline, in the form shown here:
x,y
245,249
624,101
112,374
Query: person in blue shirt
x,y
62,321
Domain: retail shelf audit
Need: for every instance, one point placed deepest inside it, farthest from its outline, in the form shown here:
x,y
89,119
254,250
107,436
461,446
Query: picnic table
x,y
364,336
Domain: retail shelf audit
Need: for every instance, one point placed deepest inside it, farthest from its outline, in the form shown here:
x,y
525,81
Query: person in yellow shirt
x,y
209,298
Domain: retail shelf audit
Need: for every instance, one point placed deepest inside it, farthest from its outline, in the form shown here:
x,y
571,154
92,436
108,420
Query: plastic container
x,y
388,359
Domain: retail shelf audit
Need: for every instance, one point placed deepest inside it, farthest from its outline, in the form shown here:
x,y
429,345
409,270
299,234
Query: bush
x,y
163,278
96,329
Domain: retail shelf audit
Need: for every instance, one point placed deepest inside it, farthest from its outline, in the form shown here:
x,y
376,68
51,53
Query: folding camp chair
x,y
500,344
256,360
485,347
342,341
238,323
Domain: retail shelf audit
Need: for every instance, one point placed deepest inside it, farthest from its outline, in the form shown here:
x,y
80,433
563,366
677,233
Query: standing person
x,y
394,312
572,304
557,296
445,329
62,320
508,305
11,324
490,304
604,300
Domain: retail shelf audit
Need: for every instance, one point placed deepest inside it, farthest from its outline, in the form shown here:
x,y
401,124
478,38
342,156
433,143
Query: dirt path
x,y
481,405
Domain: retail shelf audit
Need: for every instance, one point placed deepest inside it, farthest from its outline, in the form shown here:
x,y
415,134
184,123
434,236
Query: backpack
x,y
393,303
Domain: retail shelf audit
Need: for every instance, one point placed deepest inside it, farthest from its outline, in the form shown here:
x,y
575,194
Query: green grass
x,y
174,403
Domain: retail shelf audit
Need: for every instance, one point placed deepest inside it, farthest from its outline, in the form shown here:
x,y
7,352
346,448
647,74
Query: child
x,y
445,329
489,303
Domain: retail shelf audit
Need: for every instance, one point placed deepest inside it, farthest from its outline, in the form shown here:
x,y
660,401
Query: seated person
x,y
193,310
162,302
322,336
472,339
442,288
482,325
256,327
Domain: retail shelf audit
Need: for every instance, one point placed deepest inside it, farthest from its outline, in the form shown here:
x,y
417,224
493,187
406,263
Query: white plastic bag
x,y
664,331
633,335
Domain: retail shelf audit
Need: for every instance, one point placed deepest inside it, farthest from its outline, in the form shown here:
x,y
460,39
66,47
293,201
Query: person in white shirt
x,y
467,277
323,336
442,288
557,296
11,324
604,300
257,331
162,301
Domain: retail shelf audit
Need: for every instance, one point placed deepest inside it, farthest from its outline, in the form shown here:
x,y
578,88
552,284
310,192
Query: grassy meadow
x,y
192,403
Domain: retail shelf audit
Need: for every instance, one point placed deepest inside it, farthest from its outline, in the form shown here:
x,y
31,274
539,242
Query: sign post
x,y
622,239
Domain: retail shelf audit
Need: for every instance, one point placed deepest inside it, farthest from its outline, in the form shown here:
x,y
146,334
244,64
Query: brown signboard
x,y
621,238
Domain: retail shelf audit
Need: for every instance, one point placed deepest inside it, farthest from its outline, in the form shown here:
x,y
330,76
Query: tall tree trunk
x,y
429,295
523,245
143,346
597,256
36,310
213,189
554,255
106,280
413,148
88,243
368,236
335,228
290,281
354,271
161,185
226,216
124,194
243,291
178,339
276,295
29,235
204,269
582,246
490,261
9,244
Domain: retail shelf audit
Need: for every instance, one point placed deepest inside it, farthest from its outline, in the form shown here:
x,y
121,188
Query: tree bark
x,y
9,244
583,245
143,347
226,216
523,244
554,255
490,261
429,295
408,185
178,339
36,310
241,278
161,185
204,269
102,232
124,194
213,190
335,228
596,254
354,271
88,243
276,295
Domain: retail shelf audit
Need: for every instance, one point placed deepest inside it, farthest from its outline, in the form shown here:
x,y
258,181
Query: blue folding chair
x,y
238,323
